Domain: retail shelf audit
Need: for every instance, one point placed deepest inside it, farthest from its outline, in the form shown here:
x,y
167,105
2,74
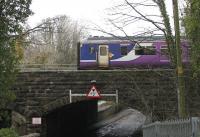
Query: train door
x,y
164,55
103,56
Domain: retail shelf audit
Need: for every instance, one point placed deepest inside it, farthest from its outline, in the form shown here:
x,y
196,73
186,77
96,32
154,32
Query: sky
x,y
87,11
92,11
74,8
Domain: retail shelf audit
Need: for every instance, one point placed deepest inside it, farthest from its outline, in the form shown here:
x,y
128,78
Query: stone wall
x,y
152,92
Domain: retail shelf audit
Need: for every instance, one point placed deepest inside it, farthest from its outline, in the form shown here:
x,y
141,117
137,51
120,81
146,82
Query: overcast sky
x,y
91,10
81,10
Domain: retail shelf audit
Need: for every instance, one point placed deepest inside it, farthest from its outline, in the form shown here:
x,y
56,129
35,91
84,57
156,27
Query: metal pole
x,y
117,99
70,96
194,121
157,129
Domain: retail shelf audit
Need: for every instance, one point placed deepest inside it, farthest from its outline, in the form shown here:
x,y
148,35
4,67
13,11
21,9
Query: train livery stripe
x,y
129,57
87,60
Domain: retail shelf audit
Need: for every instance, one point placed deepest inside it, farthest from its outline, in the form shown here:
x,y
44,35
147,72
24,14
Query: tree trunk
x,y
180,73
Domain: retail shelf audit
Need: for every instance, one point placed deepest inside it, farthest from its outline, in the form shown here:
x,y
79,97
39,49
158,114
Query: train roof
x,y
119,39
106,41
130,39
135,38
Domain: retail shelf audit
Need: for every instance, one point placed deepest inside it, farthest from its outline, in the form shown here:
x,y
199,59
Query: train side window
x,y
91,50
149,50
103,51
164,51
139,50
124,50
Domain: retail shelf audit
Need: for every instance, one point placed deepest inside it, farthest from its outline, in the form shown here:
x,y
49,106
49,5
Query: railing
x,y
102,95
45,67
174,128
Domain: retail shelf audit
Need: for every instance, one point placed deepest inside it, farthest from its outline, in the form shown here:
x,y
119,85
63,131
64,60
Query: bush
x,y
5,118
8,132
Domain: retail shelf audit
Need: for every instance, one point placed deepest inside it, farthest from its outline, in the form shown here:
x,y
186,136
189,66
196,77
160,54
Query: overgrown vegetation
x,y
8,132
192,25
13,13
5,118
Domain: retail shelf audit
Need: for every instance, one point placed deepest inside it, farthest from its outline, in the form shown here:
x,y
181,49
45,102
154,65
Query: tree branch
x,y
143,16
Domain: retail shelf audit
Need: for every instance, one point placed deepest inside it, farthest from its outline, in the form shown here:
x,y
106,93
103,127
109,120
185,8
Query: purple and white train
x,y
109,53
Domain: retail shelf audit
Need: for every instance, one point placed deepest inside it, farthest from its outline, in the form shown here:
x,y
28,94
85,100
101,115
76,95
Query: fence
x,y
174,128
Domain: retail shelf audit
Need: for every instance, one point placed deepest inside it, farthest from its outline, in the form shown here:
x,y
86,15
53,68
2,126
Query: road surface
x,y
124,124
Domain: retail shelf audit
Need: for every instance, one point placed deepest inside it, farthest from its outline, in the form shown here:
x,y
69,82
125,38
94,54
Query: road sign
x,y
36,120
93,93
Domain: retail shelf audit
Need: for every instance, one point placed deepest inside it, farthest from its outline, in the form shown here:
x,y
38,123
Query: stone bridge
x,y
152,92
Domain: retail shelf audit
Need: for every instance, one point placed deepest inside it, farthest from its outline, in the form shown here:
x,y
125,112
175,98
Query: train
x,y
115,53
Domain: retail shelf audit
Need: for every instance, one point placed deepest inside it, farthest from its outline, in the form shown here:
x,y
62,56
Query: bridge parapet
x,y
152,92
46,67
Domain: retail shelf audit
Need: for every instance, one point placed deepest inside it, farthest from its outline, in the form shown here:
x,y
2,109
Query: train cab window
x,y
139,50
103,51
91,50
164,51
149,50
124,50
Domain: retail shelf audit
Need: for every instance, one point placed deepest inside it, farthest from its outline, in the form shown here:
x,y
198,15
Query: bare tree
x,y
130,12
54,42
